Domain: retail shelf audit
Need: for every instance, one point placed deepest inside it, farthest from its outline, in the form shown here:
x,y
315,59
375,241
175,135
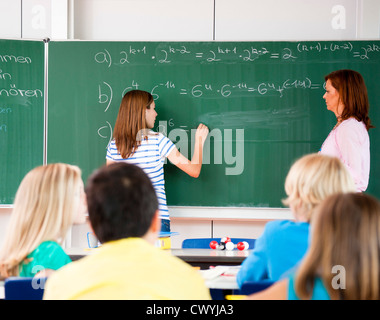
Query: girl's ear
x,y
155,227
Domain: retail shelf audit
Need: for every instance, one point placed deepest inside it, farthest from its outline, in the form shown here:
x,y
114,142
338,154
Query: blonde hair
x,y
346,232
314,177
44,209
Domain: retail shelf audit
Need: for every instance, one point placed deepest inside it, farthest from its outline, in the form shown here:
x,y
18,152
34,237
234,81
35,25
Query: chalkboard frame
x,y
364,54
178,185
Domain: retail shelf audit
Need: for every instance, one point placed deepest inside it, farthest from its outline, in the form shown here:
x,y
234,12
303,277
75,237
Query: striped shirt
x,y
150,156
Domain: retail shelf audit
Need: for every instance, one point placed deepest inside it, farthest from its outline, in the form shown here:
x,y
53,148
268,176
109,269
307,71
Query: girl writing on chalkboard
x,y
48,201
134,142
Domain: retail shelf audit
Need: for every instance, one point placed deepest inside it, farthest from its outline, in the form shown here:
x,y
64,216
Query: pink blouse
x,y
350,143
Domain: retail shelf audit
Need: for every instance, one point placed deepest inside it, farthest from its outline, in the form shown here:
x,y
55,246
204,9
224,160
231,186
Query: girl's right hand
x,y
201,133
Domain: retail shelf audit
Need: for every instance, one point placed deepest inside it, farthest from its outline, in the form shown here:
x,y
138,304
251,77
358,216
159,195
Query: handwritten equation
x,y
198,90
10,94
226,90
199,85
363,52
172,53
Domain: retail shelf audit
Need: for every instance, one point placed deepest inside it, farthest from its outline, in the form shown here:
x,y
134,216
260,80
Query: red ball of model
x,y
213,244
243,246
225,239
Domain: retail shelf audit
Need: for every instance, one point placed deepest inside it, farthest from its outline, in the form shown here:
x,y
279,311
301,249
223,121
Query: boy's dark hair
x,y
121,202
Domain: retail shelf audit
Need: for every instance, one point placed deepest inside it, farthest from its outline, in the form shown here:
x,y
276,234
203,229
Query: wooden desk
x,y
203,258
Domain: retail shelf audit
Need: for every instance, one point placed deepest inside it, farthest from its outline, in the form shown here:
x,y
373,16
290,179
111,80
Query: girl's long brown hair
x,y
345,232
130,122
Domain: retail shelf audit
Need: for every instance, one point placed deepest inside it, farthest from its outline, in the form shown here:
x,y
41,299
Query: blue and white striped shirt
x,y
150,156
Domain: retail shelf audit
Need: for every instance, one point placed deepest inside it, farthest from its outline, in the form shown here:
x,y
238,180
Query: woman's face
x,y
332,99
150,116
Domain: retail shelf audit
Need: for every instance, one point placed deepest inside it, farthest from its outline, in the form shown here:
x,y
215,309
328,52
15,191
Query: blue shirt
x,y
319,290
281,246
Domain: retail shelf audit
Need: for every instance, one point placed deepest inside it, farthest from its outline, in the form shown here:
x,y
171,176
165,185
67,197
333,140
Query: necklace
x,y
337,124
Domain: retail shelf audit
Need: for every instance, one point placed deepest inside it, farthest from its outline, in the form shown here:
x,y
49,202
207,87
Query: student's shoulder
x,y
153,137
186,277
159,136
111,144
276,231
50,254
275,225
73,270
172,261
277,228
184,272
49,247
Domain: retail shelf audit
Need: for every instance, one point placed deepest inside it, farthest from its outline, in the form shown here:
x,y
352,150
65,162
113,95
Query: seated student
x,y
123,211
48,201
284,242
343,261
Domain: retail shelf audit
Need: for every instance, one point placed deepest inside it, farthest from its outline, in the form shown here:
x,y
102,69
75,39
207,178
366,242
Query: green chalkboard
x,y
21,112
261,100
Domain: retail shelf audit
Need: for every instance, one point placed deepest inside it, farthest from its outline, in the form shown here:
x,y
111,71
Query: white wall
x,y
285,20
187,20
144,20
191,20
235,20
10,18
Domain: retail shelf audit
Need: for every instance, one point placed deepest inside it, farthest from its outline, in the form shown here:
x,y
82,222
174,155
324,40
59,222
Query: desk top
x,y
200,255
224,278
227,280
189,255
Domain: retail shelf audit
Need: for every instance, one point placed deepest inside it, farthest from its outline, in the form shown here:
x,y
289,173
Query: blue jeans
x,y
165,225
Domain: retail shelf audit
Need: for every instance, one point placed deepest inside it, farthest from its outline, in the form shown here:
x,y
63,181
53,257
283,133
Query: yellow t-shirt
x,y
127,269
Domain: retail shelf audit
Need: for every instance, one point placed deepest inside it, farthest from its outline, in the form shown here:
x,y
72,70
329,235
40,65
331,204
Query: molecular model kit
x,y
226,244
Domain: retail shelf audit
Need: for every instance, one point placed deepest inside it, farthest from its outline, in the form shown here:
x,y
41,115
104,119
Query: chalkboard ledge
x,y
230,213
